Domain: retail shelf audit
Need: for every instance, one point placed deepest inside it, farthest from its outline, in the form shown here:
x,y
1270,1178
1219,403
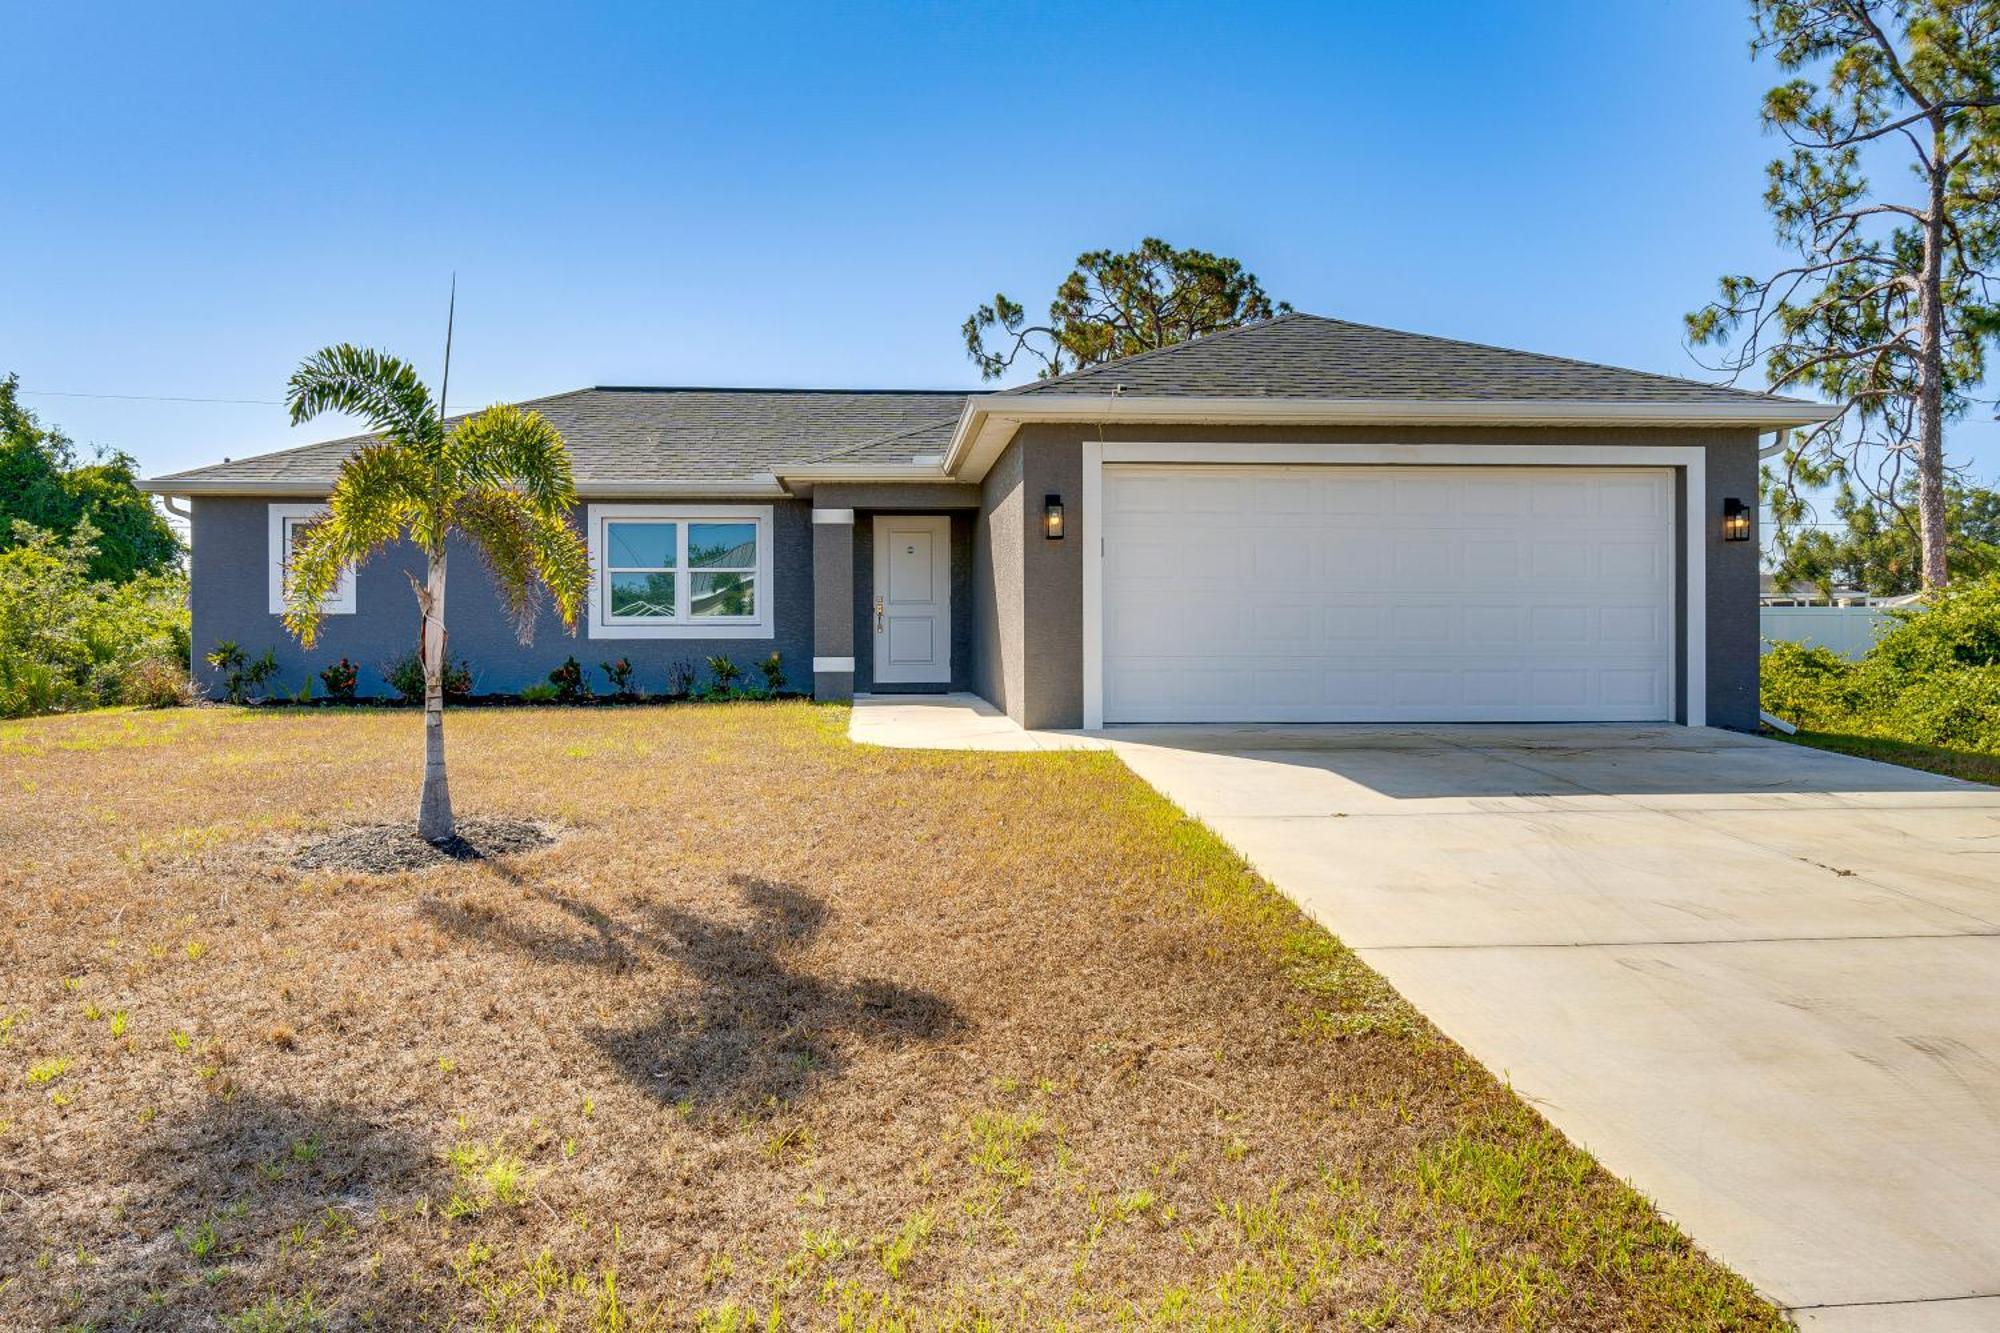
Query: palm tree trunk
x,y
434,818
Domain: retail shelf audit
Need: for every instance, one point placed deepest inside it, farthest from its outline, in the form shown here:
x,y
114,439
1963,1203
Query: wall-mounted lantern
x,y
1052,518
1735,520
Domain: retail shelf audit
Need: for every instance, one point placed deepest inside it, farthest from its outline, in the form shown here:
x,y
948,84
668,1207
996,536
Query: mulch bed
x,y
388,849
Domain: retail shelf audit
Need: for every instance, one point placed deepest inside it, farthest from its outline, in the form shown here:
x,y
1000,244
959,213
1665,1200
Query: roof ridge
x,y
752,388
1152,352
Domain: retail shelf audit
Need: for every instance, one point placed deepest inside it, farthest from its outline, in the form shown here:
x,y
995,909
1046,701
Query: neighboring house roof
x,y
1295,368
1770,590
623,437
1310,356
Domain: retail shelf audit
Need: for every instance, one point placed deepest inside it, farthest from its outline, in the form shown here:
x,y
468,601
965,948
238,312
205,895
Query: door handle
x,y
878,613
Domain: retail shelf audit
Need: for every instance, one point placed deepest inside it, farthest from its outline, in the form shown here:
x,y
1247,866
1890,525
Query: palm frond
x,y
531,554
374,502
509,446
380,389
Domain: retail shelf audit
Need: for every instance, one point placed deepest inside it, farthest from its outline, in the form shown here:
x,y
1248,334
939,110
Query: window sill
x,y
721,630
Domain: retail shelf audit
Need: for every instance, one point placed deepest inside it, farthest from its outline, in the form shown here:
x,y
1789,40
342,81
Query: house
x,y
1771,593
1299,520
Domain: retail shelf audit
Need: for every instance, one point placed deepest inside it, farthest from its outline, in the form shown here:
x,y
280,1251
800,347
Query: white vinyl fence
x,y
1847,630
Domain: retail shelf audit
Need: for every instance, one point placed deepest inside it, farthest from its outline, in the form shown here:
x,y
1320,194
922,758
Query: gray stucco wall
x,y
997,590
961,606
1052,573
1028,591
229,598
1733,631
833,617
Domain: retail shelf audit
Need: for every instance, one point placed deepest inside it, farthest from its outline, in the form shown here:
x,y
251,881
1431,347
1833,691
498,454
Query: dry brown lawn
x,y
782,1033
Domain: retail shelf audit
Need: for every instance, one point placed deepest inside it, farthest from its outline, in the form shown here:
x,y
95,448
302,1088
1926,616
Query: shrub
x,y
405,676
68,641
725,673
341,679
540,692
1934,679
680,679
773,668
241,677
157,682
1813,687
619,673
571,687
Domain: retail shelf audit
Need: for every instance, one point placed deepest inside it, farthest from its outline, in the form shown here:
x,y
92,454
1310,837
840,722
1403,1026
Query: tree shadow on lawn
x,y
756,1032
235,1201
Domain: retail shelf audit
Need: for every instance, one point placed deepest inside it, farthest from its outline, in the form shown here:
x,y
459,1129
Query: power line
x,y
151,398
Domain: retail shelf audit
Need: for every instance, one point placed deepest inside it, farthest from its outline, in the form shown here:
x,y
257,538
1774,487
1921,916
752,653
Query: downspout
x,y
167,502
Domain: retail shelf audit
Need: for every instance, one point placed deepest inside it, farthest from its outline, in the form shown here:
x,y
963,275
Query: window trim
x,y
600,625
280,519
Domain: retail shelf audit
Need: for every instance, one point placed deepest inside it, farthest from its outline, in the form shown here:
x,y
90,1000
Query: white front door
x,y
912,609
1388,594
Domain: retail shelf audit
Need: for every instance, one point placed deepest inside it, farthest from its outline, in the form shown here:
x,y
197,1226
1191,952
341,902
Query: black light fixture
x,y
1052,520
1735,520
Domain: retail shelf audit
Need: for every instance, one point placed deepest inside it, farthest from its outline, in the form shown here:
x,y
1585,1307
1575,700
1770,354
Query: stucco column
x,y
833,604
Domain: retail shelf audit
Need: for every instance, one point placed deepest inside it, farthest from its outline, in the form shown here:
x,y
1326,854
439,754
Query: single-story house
x,y
1299,520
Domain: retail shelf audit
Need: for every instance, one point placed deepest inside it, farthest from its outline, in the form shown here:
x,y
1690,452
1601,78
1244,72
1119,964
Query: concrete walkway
x,y
1759,981
951,722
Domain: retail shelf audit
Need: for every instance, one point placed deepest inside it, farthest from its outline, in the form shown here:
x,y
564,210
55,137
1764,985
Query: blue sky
x,y
817,195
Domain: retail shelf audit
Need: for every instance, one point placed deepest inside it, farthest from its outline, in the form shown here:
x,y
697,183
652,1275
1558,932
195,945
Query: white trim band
x,y
834,517
833,665
988,421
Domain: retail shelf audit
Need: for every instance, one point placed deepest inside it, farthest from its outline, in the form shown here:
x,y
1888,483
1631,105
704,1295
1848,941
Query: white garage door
x,y
1385,594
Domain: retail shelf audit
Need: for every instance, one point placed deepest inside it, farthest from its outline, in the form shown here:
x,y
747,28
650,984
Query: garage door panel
x,y
1489,559
1619,497
1379,594
1428,496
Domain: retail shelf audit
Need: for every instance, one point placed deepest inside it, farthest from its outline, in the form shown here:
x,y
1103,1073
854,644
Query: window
x,y
285,523
680,572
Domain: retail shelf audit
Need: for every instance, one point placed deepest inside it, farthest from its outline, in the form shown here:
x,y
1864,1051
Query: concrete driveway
x,y
1759,981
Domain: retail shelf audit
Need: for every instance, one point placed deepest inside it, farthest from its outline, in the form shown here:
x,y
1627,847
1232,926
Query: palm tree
x,y
500,478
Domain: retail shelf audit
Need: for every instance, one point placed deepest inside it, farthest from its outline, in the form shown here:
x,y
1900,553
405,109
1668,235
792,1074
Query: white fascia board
x,y
987,424
304,490
763,486
812,473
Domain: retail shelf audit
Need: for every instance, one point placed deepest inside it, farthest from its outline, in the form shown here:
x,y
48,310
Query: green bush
x,y
157,682
341,679
1934,679
568,679
405,676
540,692
67,640
241,677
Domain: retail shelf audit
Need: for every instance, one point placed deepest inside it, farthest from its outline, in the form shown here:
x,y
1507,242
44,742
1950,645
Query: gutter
x,y
987,423
811,473
762,486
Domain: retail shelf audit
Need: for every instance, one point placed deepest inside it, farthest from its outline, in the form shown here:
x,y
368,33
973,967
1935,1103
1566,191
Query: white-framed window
x,y
286,520
669,571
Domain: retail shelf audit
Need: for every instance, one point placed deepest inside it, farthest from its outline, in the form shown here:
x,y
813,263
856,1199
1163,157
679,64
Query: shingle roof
x,y
626,435
1309,356
633,436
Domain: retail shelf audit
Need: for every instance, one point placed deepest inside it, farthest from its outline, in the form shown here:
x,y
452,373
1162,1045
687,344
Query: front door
x,y
912,609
